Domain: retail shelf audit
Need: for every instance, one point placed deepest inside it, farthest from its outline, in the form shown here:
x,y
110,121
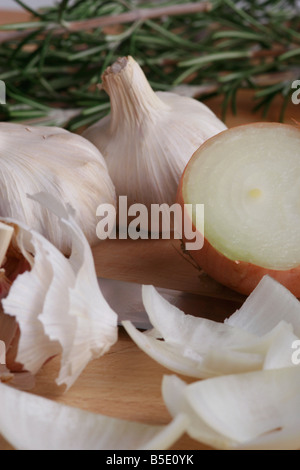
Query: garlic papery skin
x,y
149,137
6,234
58,304
52,160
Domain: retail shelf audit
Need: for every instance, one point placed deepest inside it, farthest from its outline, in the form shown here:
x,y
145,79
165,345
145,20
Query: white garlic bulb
x,y
52,160
149,137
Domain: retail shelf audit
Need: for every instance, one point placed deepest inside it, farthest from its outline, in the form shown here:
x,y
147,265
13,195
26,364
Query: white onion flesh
x,y
269,303
202,348
248,179
254,410
30,422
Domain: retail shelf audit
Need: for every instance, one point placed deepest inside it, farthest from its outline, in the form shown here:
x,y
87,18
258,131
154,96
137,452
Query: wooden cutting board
x,y
125,383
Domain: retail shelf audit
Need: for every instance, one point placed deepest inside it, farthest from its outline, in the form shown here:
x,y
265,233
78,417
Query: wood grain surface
x,y
125,383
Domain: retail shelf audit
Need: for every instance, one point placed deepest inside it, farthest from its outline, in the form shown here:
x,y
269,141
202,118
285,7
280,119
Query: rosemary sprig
x,y
52,64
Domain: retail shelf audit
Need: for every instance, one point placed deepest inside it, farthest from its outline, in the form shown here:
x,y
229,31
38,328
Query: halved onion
x,y
248,179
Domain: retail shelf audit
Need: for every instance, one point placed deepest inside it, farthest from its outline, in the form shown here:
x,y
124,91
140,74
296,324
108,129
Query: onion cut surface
x,y
248,179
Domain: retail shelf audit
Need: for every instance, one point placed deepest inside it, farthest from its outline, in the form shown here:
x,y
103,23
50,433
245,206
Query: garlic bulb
x,y
35,159
54,301
149,137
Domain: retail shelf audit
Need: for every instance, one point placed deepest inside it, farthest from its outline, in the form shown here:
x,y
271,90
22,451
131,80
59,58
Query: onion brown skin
x,y
240,276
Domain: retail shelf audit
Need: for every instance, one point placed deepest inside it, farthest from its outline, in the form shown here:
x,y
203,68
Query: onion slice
x,y
254,410
30,422
202,348
266,306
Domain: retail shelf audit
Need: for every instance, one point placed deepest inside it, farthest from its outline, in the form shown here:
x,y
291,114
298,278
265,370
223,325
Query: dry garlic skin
x,y
149,137
52,160
248,179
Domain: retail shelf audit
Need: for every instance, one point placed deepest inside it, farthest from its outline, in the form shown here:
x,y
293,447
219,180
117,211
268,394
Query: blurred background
x,y
235,55
12,5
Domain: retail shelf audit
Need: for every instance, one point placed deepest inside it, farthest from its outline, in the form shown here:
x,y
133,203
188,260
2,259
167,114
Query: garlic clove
x,y
148,138
47,425
58,304
52,160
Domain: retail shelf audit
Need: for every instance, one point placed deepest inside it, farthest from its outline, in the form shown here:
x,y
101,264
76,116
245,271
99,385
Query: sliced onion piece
x,y
197,333
30,422
287,438
254,409
202,348
272,351
186,361
265,307
174,394
280,352
170,356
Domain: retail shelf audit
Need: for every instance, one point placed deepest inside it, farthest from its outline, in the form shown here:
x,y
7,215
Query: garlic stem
x,y
131,96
